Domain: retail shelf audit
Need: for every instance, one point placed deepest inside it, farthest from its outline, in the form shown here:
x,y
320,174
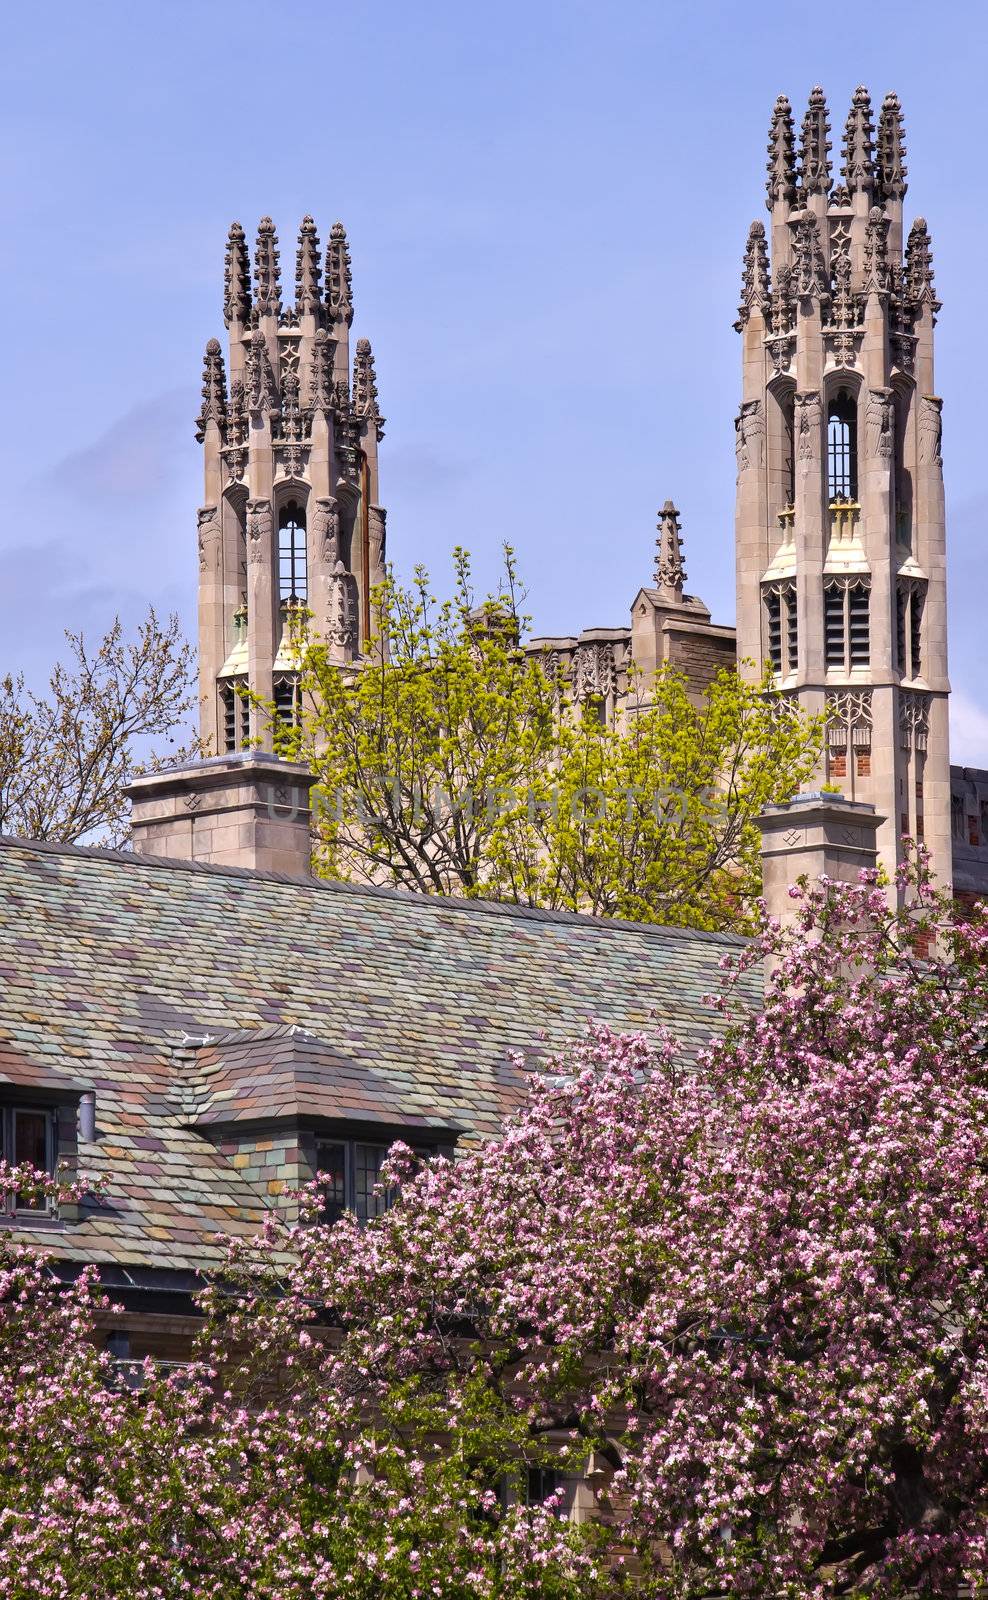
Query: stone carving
x,y
342,629
365,386
321,372
236,278
670,570
235,455
213,408
208,537
267,271
919,266
931,430
781,155
880,420
326,530
259,529
849,718
810,270
262,391
814,146
308,272
339,294
857,165
891,164
902,319
594,672
876,255
808,414
843,332
754,275
914,719
749,435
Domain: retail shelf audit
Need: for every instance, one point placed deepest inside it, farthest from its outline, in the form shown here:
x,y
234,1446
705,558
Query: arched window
x,y
842,448
292,578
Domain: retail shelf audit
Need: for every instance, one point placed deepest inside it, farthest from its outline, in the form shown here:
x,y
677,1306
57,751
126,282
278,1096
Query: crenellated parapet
x,y
286,439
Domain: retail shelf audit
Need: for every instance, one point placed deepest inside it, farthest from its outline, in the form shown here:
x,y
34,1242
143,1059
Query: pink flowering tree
x,y
740,1302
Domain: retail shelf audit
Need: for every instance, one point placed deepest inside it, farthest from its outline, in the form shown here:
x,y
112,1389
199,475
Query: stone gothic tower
x,y
840,508
291,524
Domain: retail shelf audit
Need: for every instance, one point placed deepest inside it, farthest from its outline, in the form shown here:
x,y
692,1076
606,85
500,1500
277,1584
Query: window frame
x,y
293,555
351,1199
842,451
782,619
910,603
10,1208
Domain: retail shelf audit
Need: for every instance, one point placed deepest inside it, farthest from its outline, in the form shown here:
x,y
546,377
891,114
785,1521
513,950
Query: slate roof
x,y
313,998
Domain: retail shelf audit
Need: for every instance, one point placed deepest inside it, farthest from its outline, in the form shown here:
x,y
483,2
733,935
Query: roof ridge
x,y
436,903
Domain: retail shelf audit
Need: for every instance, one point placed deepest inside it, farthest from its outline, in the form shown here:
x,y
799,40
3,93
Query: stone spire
x,y
781,155
814,146
213,408
236,278
670,570
857,152
365,383
339,297
919,264
308,271
320,395
754,275
891,150
267,270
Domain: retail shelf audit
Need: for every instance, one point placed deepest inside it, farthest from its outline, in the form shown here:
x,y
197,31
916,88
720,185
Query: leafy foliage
x,y
66,756
454,762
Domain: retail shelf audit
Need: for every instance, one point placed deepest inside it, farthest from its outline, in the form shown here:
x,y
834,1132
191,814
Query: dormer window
x,y
351,1171
27,1138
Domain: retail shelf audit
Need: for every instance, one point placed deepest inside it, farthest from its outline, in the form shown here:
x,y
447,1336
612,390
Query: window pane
x,y
367,1159
31,1148
331,1165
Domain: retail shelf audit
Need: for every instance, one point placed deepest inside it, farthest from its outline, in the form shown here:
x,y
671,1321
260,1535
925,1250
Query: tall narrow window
x,y
846,629
909,599
842,448
781,627
292,575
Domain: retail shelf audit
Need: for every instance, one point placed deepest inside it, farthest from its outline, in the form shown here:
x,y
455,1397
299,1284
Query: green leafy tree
x,y
453,762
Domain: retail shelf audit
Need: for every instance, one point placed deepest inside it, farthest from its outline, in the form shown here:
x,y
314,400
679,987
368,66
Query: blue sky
x,y
547,205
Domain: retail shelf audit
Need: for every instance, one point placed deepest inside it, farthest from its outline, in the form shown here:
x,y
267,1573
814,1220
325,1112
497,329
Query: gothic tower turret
x,y
292,523
840,508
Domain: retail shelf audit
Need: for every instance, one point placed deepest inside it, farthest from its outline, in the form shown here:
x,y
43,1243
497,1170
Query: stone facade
x,y
839,526
292,522
840,535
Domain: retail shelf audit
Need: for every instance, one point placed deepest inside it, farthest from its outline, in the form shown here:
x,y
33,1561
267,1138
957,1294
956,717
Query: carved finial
x,y
213,408
236,278
754,275
809,267
814,146
339,295
308,271
365,384
262,391
891,150
267,270
919,265
781,154
670,570
876,252
857,164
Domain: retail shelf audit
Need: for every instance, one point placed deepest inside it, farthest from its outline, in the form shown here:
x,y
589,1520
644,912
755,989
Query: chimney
x,y
246,809
814,835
